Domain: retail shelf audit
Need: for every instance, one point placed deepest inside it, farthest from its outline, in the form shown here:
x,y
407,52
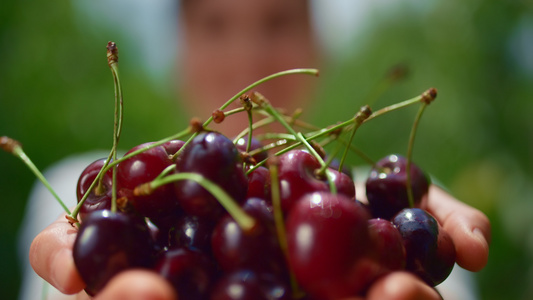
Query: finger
x,y
401,286
468,227
51,256
137,285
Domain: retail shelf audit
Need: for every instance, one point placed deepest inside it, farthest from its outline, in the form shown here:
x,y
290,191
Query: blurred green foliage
x,y
56,97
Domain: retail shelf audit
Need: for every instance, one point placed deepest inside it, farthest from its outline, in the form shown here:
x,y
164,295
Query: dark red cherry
x,y
249,285
192,232
190,272
327,245
142,168
100,197
386,186
238,285
108,243
297,177
386,245
420,232
441,262
216,158
257,250
173,146
259,185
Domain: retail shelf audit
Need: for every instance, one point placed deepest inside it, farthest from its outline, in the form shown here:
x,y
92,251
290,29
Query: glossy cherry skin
x,y
173,146
108,243
190,272
441,262
97,199
297,177
430,252
192,232
142,168
259,184
248,285
257,250
215,157
386,245
238,285
386,186
327,246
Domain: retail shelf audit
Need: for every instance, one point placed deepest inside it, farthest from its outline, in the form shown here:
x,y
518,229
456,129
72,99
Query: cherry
x,y
142,168
192,232
190,272
386,245
297,177
108,243
173,146
386,186
430,252
442,261
100,196
258,250
238,285
248,285
215,157
327,245
259,185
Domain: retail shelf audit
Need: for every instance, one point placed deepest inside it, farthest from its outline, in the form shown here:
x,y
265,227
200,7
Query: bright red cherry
x,y
327,245
100,197
297,177
142,168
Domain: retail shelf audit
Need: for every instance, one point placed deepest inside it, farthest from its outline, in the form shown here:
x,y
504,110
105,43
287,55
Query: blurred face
x,y
232,43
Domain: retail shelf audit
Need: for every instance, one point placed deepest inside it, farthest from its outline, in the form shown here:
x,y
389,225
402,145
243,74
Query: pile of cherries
x,y
326,245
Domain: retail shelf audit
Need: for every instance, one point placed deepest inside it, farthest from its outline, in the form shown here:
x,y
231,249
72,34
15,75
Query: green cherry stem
x,y
304,71
112,60
14,147
426,98
359,118
245,221
279,219
313,72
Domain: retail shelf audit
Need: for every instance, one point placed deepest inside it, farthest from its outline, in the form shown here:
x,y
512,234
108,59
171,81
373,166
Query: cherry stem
x,y
396,106
261,81
112,60
426,98
245,221
410,154
14,147
359,118
279,220
313,72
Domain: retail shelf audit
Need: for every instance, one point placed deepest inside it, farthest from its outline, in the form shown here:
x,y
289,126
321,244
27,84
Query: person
x,y
227,46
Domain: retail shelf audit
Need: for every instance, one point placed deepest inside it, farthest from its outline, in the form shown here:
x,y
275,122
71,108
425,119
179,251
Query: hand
x,y
51,258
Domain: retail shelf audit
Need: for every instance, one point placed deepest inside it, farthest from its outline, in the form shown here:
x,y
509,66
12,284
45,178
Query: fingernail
x,y
478,234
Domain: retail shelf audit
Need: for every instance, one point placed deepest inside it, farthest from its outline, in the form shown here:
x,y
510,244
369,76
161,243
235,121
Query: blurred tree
x,y
56,97
476,136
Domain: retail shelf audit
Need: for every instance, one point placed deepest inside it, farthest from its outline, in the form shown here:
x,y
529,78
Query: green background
x,y
56,97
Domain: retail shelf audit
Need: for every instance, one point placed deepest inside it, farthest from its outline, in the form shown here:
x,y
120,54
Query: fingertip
x,y
472,247
64,275
401,286
51,257
137,284
469,228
